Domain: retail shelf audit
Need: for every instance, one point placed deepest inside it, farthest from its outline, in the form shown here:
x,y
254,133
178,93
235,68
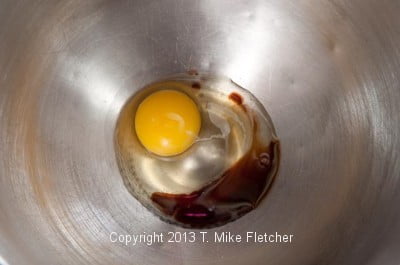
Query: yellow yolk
x,y
167,122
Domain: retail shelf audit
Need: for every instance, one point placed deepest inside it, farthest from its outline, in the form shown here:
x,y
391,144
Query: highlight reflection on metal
x,y
327,71
2,261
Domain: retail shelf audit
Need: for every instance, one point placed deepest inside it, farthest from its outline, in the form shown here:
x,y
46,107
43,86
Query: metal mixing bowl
x,y
327,71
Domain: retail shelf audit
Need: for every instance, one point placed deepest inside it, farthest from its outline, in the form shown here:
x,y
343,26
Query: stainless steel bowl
x,y
328,72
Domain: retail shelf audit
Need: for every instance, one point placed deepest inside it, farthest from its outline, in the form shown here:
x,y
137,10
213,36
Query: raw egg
x,y
167,122
198,151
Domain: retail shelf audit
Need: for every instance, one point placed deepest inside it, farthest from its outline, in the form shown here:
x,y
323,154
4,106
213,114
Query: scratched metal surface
x,y
327,71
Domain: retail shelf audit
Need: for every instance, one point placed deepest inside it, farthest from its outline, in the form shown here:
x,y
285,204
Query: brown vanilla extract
x,y
238,191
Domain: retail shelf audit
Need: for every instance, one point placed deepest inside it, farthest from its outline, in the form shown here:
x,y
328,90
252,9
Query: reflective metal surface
x,y
327,71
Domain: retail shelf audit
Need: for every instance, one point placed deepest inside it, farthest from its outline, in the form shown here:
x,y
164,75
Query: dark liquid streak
x,y
235,97
238,191
196,85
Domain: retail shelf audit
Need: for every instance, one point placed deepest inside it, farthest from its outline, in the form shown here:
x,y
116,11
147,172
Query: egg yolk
x,y
167,122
